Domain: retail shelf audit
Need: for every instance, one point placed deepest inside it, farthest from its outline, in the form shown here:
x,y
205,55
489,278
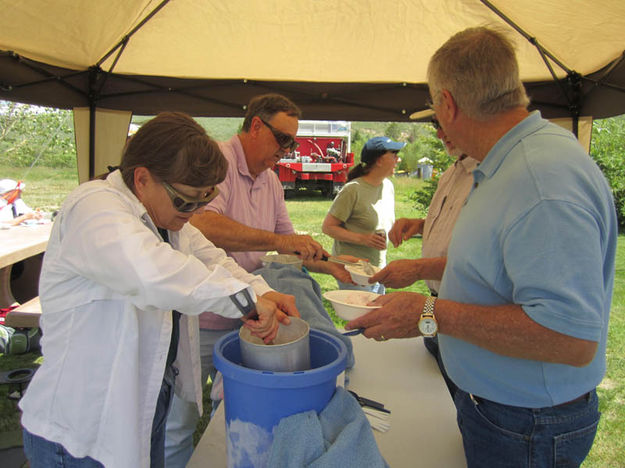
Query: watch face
x,y
427,326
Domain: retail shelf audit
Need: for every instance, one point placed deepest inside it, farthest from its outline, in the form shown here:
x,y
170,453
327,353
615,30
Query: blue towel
x,y
289,280
340,436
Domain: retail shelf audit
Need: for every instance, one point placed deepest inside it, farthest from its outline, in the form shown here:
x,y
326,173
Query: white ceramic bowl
x,y
350,304
285,259
358,274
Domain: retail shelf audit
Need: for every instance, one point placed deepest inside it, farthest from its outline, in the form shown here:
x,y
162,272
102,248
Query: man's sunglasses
x,y
185,204
435,123
286,142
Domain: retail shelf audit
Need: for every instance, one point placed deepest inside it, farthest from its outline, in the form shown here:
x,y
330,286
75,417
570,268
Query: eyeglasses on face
x,y
435,123
286,142
185,204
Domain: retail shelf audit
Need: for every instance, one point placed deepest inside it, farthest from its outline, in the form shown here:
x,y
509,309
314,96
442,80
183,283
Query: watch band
x,y
428,307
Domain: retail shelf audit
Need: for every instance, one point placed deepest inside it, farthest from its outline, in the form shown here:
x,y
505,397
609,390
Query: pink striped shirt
x,y
258,203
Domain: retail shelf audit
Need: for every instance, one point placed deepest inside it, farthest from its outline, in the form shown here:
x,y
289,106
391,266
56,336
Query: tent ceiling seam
x,y
132,32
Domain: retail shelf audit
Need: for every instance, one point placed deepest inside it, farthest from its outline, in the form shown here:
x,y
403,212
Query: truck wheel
x,y
289,193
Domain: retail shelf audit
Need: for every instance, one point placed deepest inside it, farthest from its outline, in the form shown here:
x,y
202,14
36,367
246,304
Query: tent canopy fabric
x,y
350,60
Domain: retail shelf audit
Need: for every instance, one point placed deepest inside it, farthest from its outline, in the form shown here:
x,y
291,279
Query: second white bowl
x,y
350,304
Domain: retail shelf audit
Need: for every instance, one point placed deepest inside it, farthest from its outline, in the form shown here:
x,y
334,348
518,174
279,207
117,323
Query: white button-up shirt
x,y
107,288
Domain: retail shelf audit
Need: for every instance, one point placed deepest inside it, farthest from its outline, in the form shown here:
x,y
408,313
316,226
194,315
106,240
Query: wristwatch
x,y
427,322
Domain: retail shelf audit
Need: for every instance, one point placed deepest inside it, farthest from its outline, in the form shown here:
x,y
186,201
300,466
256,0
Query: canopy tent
x,y
349,60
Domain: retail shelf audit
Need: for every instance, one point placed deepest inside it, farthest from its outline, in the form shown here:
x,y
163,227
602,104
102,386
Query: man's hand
x,y
398,274
332,268
339,272
303,246
404,228
266,325
285,302
395,319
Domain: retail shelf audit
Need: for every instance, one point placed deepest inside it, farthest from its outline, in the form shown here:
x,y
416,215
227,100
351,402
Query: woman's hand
x,y
285,303
374,240
266,325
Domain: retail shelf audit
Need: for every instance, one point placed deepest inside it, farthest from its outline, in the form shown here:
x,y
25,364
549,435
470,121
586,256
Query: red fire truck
x,y
321,161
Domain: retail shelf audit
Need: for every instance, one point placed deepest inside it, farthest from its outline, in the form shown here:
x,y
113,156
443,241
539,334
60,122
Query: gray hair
x,y
478,67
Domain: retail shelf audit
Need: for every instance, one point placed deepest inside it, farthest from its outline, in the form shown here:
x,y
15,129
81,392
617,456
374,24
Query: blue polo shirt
x,y
539,230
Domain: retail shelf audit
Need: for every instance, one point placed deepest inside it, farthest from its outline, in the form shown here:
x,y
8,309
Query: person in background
x,y
364,210
123,281
248,219
453,188
13,210
523,309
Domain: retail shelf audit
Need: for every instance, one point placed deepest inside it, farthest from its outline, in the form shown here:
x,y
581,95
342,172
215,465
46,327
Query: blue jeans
x,y
496,435
157,440
183,417
42,453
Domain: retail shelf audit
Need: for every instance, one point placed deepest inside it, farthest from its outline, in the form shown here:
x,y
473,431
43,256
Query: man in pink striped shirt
x,y
247,219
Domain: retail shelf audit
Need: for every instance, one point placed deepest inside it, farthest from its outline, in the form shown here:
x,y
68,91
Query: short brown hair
x,y
266,106
175,149
478,66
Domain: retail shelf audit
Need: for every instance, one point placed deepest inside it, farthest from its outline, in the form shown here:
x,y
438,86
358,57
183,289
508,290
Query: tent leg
x,y
92,114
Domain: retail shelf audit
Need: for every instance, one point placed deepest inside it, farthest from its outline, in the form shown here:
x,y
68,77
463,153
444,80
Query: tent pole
x,y
574,82
92,115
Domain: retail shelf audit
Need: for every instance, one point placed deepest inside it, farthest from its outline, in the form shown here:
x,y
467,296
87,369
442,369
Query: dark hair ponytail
x,y
368,159
358,170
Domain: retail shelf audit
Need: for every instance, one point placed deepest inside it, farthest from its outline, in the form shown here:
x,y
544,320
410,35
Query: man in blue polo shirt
x,y
524,304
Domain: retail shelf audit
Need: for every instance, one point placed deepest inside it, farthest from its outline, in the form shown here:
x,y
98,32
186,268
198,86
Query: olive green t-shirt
x,y
364,208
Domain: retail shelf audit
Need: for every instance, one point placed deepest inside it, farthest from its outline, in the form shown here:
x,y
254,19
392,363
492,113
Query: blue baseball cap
x,y
377,145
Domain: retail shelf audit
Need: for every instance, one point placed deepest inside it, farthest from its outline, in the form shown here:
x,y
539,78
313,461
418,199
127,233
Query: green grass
x,y
46,188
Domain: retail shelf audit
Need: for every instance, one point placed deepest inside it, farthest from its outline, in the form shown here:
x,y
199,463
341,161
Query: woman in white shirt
x,y
123,280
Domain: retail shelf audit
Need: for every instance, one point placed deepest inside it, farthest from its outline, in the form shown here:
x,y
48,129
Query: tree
x,y
608,150
393,131
36,135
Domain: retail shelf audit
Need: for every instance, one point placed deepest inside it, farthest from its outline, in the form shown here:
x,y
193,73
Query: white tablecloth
x,y
402,375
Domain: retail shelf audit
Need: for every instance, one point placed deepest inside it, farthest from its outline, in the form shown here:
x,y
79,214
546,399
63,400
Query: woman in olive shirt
x,y
364,206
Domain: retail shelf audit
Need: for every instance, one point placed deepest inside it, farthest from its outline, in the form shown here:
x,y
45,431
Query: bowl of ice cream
x,y
350,304
359,275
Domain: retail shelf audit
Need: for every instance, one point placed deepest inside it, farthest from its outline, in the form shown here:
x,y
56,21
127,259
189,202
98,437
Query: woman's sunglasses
x,y
435,123
286,142
185,204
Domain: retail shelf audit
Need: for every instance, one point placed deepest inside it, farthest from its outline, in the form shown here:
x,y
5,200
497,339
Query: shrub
x,y
608,150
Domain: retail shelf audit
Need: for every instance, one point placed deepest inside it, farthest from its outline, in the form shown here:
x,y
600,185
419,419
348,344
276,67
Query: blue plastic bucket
x,y
255,400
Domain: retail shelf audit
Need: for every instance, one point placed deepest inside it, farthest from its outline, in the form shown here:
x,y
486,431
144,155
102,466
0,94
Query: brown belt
x,y
585,396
